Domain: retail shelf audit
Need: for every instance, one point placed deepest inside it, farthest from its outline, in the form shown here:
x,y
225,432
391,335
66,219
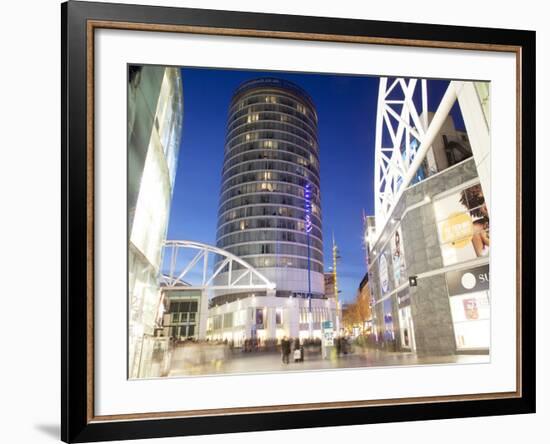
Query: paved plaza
x,y
261,362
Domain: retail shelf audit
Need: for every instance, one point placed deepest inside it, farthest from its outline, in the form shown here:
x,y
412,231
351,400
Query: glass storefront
x,y
469,297
406,326
471,314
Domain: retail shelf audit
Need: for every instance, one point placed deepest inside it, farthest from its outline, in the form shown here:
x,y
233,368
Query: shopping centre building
x,y
155,115
429,246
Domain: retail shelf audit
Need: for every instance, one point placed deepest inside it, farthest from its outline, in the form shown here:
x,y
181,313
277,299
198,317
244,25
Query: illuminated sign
x,y
307,197
470,280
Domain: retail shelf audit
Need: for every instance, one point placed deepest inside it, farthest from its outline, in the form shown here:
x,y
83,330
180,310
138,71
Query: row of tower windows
x,y
276,98
280,114
274,248
273,134
267,210
275,146
252,197
270,165
262,175
269,235
275,188
254,204
281,262
270,154
271,222
271,121
275,126
270,108
266,169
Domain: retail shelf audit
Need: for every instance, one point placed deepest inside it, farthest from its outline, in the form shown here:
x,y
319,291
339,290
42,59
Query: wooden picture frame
x,y
79,22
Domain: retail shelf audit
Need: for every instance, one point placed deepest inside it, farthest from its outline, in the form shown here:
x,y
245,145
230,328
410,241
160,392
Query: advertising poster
x,y
384,275
398,258
463,225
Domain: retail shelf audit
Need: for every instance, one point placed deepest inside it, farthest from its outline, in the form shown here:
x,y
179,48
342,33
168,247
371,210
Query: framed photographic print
x,y
275,221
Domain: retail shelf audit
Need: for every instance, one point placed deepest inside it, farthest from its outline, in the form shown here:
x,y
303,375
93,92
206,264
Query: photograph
x,y
282,221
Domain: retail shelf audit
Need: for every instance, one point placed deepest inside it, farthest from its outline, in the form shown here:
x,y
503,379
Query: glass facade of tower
x,y
271,155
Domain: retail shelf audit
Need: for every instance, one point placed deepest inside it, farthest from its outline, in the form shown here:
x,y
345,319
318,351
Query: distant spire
x,y
334,259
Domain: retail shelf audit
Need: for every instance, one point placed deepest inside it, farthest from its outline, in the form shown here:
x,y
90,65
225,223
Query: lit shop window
x,y
228,320
240,318
279,316
471,313
463,225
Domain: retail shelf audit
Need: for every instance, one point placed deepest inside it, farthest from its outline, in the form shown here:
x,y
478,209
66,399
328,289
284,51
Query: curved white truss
x,y
404,136
400,129
246,278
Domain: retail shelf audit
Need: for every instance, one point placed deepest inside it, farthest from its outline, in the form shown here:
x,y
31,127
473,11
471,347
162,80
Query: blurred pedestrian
x,y
285,349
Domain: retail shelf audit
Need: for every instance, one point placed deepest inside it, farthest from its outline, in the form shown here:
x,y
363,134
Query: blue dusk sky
x,y
346,108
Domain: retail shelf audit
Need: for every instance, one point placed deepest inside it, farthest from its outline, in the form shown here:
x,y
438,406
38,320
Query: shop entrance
x,y
469,297
471,314
406,326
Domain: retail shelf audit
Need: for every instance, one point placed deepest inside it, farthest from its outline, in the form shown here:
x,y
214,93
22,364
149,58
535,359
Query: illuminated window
x,y
266,186
253,118
270,144
279,316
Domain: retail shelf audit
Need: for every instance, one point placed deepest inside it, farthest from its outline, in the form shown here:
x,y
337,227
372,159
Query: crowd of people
x,y
292,346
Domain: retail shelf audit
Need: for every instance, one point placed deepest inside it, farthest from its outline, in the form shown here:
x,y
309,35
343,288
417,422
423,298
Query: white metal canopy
x,y
221,277
404,136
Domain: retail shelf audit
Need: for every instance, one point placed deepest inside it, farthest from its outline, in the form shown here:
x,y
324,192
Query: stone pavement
x,y
266,362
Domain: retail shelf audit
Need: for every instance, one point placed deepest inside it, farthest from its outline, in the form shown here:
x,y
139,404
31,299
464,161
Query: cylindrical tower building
x,y
270,188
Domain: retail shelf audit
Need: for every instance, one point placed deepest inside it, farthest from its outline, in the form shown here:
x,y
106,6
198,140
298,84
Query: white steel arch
x,y
245,278
398,120
404,136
